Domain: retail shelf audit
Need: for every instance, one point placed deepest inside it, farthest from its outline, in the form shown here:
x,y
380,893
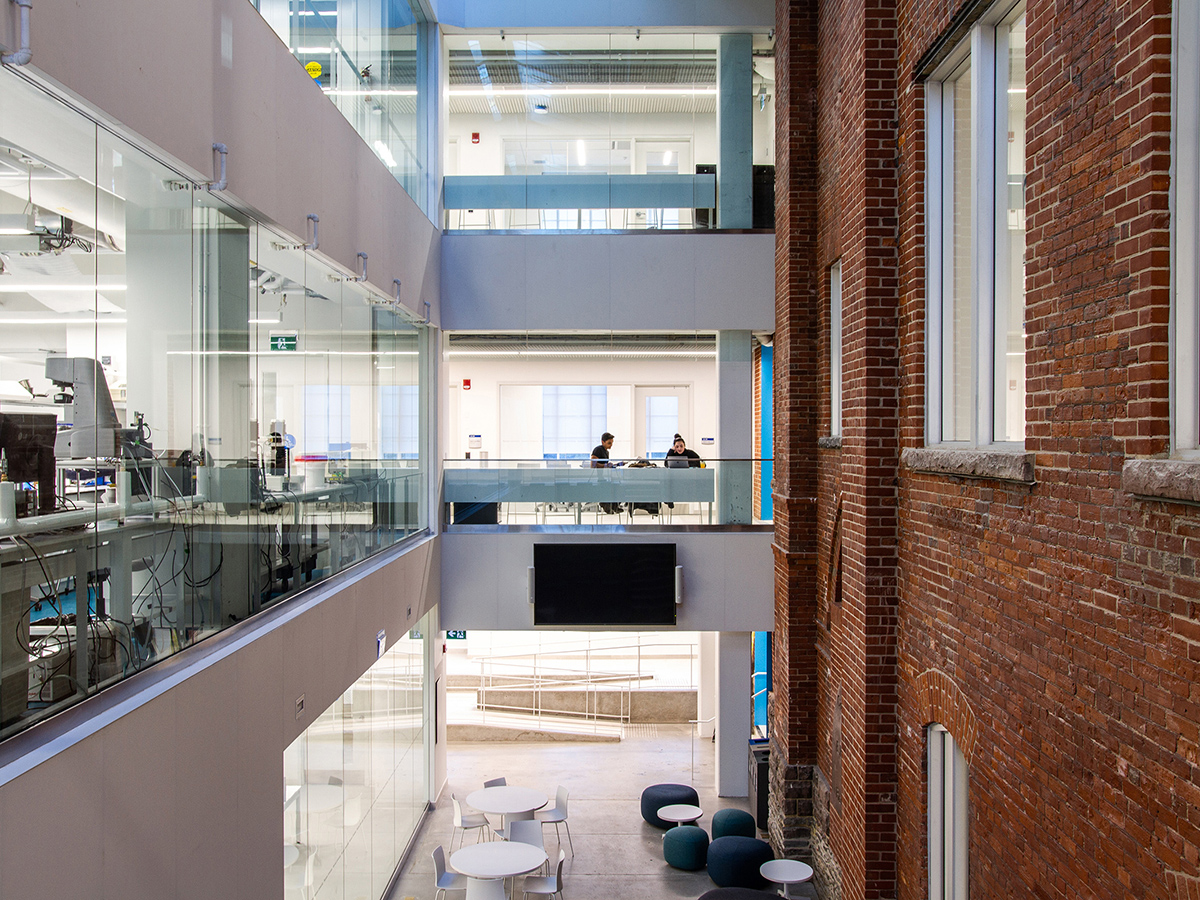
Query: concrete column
x,y
706,699
734,713
735,423
735,132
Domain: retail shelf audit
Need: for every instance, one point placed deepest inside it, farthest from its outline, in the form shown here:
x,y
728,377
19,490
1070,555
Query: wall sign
x,y
283,341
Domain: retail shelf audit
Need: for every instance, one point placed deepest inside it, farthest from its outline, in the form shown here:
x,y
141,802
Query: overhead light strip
x,y
630,354
31,288
551,90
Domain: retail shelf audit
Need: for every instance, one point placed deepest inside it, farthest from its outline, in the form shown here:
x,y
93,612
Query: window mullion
x,y
935,254
983,197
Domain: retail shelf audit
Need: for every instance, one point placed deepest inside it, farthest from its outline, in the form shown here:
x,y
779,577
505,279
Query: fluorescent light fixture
x,y
264,322
360,92
666,157
31,288
17,223
550,90
1016,90
310,50
385,154
4,322
623,354
275,354
581,152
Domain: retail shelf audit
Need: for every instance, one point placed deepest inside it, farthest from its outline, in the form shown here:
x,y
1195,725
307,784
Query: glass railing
x,y
632,492
198,415
579,202
169,555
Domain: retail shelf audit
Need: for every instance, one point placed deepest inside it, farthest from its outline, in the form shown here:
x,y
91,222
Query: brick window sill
x,y
1162,479
997,465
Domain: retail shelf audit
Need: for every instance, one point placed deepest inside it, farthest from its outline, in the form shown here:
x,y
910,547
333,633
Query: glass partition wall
x,y
356,780
590,131
198,418
370,59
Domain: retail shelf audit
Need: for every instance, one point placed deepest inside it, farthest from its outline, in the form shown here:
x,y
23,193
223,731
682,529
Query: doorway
x,y
660,412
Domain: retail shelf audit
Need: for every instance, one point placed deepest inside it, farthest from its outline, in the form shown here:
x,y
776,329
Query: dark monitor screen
x,y
604,584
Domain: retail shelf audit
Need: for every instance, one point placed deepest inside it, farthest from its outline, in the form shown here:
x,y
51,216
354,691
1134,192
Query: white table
x,y
497,859
680,813
786,872
509,801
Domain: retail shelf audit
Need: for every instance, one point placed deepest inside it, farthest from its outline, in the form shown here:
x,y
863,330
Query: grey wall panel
x,y
728,577
566,288
626,282
31,821
653,281
291,152
182,795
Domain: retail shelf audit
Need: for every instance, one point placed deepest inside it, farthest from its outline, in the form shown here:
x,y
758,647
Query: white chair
x,y
536,884
526,831
499,832
486,889
446,881
495,782
465,822
556,815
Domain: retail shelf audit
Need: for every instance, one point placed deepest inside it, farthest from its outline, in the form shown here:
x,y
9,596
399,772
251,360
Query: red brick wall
x,y
793,707
1052,627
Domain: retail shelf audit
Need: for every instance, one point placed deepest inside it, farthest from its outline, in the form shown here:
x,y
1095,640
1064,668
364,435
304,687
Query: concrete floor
x,y
617,855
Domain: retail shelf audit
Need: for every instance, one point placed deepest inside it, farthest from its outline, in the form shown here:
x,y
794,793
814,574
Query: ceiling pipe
x,y
23,55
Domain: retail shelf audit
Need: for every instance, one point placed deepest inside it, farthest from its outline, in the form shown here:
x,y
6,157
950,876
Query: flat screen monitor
x,y
604,584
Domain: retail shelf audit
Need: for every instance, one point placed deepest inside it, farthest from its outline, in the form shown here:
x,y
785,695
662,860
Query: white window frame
x,y
947,813
835,349
985,53
1185,231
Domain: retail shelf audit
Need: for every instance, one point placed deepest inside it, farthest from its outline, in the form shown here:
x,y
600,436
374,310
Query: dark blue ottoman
x,y
686,847
657,796
733,821
737,894
733,861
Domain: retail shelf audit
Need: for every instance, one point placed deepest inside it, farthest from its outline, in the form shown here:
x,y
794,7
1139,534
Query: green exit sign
x,y
284,342
456,635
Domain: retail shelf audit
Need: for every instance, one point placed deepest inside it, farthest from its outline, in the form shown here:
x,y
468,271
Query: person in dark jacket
x,y
680,457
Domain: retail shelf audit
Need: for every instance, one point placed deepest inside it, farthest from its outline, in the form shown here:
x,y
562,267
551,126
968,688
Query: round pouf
x,y
733,861
733,821
686,847
657,796
735,893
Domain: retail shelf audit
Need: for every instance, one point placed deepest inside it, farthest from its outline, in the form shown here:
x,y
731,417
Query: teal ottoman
x,y
686,847
733,821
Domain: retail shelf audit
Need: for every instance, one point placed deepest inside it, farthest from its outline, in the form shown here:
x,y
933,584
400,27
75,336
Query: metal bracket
x,y
220,151
362,267
313,241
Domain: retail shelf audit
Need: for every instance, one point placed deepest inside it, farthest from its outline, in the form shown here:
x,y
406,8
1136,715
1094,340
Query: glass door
x,y
660,412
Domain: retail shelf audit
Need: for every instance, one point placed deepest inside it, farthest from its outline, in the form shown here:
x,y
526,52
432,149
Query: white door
x,y
660,412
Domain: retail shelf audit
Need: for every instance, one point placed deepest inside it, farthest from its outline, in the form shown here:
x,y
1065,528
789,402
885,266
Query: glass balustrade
x,y
632,492
198,417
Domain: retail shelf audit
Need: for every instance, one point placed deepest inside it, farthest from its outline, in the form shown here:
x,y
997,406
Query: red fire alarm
x,y
474,137
466,384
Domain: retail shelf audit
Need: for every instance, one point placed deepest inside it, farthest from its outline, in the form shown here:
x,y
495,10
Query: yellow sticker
x,y
313,69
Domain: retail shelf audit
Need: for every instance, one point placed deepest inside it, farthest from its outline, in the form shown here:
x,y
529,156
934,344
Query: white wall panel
x,y
728,577
623,282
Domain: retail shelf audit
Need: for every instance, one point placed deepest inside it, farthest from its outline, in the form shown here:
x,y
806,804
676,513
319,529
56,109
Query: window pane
x,y
1010,254
662,424
958,318
573,418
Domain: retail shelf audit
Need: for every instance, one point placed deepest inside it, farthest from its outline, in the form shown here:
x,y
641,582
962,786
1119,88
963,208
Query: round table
x,y
507,801
680,813
786,872
497,859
